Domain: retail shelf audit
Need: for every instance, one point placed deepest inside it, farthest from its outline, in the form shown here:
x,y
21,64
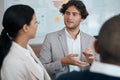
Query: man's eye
x,y
75,14
67,13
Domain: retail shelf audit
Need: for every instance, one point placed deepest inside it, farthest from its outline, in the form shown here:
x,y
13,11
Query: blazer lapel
x,y
83,44
34,70
27,61
63,41
46,76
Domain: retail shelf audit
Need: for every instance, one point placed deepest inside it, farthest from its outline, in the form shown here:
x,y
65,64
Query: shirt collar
x,y
104,68
68,35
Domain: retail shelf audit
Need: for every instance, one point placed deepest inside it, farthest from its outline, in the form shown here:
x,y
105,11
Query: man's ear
x,y
96,46
25,28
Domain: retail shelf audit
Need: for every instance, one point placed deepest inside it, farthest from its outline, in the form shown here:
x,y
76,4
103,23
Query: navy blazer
x,y
86,75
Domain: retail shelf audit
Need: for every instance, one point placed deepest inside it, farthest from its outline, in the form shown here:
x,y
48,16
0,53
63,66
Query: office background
x,y
49,19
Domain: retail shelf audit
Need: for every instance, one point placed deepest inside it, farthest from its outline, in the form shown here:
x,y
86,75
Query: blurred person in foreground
x,y
108,46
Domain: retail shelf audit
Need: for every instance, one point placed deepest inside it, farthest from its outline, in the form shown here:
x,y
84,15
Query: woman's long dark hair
x,y
13,20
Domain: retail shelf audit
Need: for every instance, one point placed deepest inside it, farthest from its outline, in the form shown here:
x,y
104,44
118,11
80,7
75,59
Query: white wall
x,y
99,12
1,12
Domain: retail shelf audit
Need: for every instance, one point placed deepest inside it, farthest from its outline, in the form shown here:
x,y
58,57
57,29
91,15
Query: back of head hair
x,y
109,40
79,6
13,20
15,17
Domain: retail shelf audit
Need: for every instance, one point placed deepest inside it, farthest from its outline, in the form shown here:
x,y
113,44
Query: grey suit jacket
x,y
55,47
17,66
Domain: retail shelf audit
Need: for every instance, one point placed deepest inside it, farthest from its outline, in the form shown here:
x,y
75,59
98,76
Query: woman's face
x,y
33,27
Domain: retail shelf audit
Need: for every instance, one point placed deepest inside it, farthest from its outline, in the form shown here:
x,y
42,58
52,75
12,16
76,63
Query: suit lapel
x,y
46,76
31,68
28,62
83,44
63,41
82,40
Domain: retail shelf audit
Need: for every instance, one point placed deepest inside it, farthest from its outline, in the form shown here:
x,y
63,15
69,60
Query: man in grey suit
x,y
68,49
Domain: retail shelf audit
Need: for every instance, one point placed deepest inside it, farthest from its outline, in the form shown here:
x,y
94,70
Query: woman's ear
x,y
96,46
25,28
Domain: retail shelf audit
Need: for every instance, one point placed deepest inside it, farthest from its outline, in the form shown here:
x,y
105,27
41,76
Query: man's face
x,y
72,18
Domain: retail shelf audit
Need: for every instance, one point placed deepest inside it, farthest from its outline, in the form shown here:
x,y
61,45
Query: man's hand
x,y
72,59
89,55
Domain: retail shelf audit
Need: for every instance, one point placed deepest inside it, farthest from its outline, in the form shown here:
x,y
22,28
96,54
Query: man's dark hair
x,y
79,6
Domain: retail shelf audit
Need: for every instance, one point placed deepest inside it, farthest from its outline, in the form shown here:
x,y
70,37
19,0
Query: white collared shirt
x,y
104,68
74,47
